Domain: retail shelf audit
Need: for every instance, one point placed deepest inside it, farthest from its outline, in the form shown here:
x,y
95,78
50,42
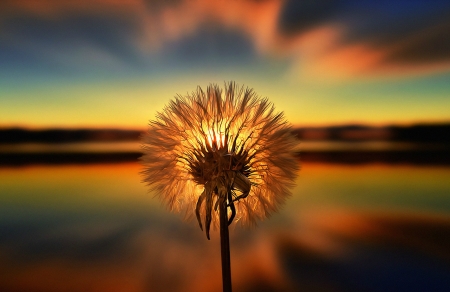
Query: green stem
x,y
225,246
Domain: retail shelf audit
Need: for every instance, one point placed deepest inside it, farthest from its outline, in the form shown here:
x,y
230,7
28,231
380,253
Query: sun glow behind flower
x,y
215,139
208,147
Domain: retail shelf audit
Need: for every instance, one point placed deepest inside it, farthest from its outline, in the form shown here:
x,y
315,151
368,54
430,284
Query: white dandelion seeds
x,y
229,145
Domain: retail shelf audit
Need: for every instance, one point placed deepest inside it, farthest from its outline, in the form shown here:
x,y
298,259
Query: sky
x,y
115,63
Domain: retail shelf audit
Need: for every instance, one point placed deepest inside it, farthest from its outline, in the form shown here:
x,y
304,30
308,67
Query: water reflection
x,y
372,227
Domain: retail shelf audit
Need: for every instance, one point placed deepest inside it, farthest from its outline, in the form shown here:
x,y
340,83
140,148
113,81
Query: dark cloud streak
x,y
298,16
429,45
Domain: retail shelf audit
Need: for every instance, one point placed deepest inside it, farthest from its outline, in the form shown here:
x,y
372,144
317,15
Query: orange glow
x,y
124,187
348,61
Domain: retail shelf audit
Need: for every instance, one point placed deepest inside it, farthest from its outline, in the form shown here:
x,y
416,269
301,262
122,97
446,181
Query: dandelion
x,y
224,155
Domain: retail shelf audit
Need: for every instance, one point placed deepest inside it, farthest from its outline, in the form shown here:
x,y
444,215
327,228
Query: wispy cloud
x,y
318,38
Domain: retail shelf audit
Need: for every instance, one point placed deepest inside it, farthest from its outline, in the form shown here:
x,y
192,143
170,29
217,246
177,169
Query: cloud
x,y
430,44
321,39
299,16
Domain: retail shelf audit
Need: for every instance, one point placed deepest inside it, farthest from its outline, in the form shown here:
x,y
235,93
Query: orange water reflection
x,y
74,186
346,228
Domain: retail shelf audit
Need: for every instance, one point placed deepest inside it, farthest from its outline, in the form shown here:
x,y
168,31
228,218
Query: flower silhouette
x,y
223,145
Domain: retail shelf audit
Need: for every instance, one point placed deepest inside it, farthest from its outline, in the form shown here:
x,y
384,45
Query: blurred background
x,y
365,84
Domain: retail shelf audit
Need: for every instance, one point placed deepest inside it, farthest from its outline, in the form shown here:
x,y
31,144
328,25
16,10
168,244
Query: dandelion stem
x,y
225,246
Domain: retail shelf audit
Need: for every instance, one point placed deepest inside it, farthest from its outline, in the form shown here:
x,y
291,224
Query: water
x,y
94,227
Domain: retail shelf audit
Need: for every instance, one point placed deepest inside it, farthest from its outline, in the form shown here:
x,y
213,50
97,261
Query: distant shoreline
x,y
352,144
420,133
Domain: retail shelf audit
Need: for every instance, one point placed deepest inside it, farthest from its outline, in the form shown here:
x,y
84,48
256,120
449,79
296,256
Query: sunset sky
x,y
115,63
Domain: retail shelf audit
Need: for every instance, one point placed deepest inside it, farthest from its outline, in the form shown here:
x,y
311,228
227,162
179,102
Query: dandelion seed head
x,y
220,145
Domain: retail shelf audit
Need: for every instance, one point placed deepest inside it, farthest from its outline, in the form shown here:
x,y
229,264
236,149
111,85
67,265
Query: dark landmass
x,y
51,136
438,133
433,133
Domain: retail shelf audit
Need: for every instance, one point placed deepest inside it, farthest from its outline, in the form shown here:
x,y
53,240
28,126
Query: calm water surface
x,y
94,227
